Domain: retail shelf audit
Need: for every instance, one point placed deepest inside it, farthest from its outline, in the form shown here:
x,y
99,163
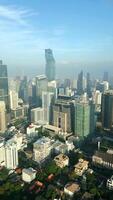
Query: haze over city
x,y
79,32
56,99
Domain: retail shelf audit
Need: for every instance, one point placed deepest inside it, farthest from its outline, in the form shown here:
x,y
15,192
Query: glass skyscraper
x,y
50,65
4,84
84,119
107,110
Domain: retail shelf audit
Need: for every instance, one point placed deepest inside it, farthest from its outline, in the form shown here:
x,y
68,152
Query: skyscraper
x,y
41,85
4,84
80,83
105,76
2,117
50,65
13,99
84,119
63,115
47,99
88,85
107,110
11,155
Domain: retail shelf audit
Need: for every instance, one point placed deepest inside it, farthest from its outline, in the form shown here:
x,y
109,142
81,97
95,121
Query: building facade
x,y
107,110
50,70
4,96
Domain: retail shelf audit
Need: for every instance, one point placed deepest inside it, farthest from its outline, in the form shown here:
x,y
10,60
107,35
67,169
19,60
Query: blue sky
x,y
80,32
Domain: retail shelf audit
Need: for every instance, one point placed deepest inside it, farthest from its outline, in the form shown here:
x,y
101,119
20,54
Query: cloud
x,y
15,14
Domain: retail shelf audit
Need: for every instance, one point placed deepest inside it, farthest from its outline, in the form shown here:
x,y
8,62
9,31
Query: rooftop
x,y
29,171
73,187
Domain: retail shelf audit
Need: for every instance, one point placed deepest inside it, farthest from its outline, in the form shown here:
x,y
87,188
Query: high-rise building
x,y
41,85
4,84
62,115
2,117
11,155
105,76
50,70
47,100
107,109
88,87
84,119
80,83
37,115
42,149
23,90
13,99
2,152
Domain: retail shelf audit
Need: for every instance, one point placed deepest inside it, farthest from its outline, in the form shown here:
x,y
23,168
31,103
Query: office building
x,y
50,70
13,99
102,86
11,155
103,159
41,85
88,86
4,96
62,115
37,115
97,97
19,112
23,90
84,119
80,83
47,100
2,117
107,110
105,76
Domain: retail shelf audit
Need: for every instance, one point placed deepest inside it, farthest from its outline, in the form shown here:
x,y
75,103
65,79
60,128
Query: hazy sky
x,y
80,32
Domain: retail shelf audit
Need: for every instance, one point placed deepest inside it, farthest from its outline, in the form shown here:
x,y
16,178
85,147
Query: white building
x,y
2,152
20,139
46,105
32,130
11,155
2,117
71,188
13,99
28,175
37,115
97,95
70,145
42,149
61,160
109,183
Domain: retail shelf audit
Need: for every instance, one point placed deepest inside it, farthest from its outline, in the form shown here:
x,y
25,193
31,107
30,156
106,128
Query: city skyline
x,y
78,41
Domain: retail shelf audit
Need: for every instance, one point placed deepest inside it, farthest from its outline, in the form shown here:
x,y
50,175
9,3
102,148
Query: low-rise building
x,y
28,175
81,167
109,183
53,130
104,159
32,130
71,188
61,160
